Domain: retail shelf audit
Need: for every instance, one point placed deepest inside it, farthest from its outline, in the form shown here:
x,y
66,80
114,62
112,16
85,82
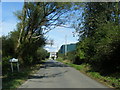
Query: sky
x,y
0,18
9,22
61,36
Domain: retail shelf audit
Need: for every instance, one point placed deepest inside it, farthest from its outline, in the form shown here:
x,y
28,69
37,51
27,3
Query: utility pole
x,y
65,45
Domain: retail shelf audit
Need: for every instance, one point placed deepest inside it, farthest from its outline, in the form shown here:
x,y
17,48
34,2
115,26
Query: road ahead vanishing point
x,y
57,75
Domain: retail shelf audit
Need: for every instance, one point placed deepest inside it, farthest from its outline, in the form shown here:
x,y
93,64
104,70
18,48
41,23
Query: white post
x,y
12,66
18,66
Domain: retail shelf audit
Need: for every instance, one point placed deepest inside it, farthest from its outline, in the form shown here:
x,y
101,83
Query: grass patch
x,y
60,59
15,79
112,80
78,67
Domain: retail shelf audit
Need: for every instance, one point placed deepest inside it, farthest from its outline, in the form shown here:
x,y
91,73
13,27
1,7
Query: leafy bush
x,y
71,56
108,47
7,46
102,52
6,64
42,54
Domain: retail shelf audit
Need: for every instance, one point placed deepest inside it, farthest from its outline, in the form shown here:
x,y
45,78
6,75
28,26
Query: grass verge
x,y
112,80
15,79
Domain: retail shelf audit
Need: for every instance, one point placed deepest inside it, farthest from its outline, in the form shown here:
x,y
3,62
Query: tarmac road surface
x,y
57,75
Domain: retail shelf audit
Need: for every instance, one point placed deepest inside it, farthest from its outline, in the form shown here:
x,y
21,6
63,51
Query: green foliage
x,y
6,68
60,59
27,41
8,50
14,80
71,56
99,43
30,55
108,47
7,46
42,54
78,67
36,19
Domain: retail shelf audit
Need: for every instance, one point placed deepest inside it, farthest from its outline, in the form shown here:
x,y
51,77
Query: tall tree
x,y
100,35
36,19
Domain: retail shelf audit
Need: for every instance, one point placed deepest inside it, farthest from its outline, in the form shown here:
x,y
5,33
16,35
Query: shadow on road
x,y
53,64
46,65
46,76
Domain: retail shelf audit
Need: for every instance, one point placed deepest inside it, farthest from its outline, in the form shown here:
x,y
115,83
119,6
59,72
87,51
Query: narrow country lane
x,y
57,75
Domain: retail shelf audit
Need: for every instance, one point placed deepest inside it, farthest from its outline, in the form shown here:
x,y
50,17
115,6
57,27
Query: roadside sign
x,y
13,60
